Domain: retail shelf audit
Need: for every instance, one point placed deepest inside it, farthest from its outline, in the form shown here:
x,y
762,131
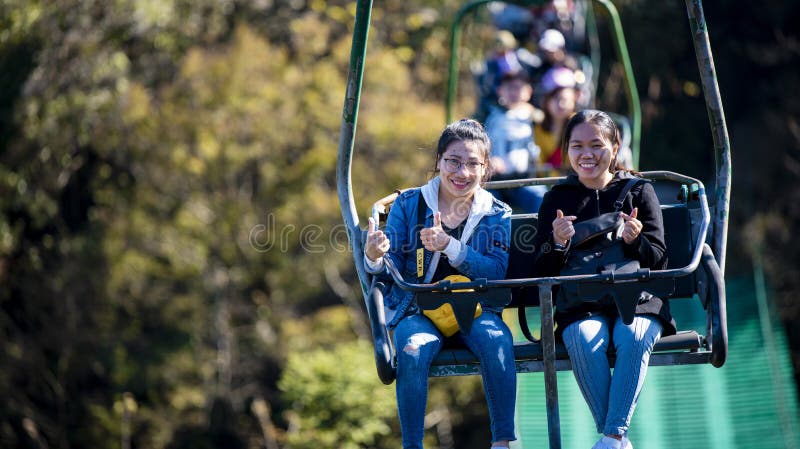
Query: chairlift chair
x,y
695,234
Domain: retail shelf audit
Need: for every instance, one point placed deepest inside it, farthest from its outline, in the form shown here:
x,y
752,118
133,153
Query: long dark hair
x,y
470,130
608,128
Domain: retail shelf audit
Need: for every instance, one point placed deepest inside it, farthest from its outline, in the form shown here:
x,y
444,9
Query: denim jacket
x,y
482,252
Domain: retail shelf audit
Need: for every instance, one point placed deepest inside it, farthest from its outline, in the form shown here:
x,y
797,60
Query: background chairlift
x,y
695,234
587,37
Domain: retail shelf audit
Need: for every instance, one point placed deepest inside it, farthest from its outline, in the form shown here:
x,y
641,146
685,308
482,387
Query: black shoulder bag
x,y
595,249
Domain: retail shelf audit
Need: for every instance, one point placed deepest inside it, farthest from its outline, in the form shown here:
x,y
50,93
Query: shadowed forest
x,y
173,268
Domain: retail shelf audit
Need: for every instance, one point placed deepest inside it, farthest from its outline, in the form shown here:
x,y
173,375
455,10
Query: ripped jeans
x,y
611,398
418,342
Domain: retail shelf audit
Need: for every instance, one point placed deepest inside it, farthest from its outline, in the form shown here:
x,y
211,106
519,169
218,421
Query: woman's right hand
x,y
377,242
562,227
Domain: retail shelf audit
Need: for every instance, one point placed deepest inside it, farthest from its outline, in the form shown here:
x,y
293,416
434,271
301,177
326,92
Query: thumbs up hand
x,y
434,238
633,227
562,227
377,243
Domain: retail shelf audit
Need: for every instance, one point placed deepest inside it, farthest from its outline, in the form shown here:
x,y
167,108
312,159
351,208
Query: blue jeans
x,y
523,200
418,342
611,398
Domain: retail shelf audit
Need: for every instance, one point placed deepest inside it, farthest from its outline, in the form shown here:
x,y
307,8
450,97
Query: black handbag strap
x,y
523,324
589,229
624,193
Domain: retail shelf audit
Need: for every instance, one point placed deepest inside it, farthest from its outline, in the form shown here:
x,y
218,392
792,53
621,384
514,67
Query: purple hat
x,y
556,78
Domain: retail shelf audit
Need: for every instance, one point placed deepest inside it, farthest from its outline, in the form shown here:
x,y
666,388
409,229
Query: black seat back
x,y
677,235
680,244
521,255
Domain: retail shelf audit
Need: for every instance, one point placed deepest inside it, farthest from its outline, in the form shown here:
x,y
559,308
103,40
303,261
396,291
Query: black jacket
x,y
573,198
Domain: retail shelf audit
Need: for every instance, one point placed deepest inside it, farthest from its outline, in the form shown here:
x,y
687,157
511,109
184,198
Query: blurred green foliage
x,y
335,405
168,206
174,272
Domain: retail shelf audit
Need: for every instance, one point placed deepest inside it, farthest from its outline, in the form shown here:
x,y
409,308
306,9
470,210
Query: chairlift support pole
x,y
634,107
344,186
593,43
719,130
549,362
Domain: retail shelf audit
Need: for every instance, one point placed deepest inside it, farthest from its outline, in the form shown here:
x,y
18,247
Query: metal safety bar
x,y
482,284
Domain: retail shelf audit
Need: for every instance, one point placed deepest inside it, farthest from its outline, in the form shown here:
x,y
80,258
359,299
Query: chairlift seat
x,y
455,359
685,221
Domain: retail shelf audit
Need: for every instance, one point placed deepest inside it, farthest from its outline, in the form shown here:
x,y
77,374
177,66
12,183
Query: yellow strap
x,y
420,262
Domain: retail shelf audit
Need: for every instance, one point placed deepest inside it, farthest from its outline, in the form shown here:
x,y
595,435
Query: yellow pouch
x,y
443,317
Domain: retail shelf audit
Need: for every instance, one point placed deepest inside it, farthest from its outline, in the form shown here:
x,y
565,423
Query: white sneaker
x,y
626,443
608,443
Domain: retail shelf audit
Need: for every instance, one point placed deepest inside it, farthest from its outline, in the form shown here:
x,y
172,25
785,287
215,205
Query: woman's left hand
x,y
434,238
633,227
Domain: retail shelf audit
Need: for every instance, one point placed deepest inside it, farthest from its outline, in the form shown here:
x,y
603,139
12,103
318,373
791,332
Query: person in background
x,y
562,96
513,18
506,57
514,153
551,48
466,232
560,100
557,14
590,144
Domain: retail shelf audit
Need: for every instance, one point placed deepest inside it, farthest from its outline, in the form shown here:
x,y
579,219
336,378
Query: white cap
x,y
552,40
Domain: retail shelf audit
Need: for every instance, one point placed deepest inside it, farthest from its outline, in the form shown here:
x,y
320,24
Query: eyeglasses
x,y
454,165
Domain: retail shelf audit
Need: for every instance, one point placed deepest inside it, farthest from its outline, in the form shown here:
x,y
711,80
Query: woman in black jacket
x,y
590,144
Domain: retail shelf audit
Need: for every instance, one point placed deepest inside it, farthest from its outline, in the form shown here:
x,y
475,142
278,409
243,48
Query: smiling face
x,y
561,103
462,167
591,154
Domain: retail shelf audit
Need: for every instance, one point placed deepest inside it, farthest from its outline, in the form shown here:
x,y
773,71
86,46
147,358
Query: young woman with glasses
x,y
464,231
